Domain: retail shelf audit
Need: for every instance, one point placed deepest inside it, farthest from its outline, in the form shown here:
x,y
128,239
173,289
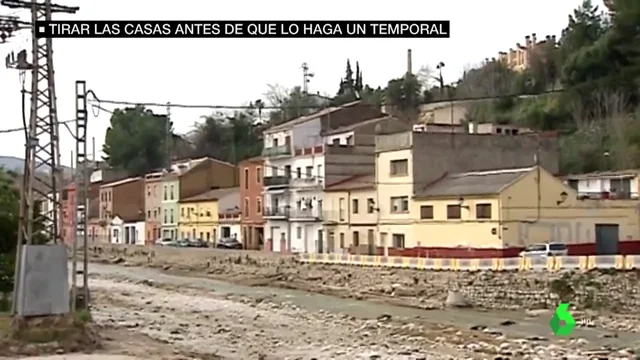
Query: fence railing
x,y
543,263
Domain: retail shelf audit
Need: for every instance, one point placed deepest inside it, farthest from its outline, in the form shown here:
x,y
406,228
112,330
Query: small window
x,y
246,207
246,178
259,205
165,192
298,173
341,240
426,212
181,212
299,232
483,211
398,241
309,171
371,206
148,190
259,175
148,214
399,204
171,216
454,212
165,216
171,195
341,209
354,205
399,167
356,238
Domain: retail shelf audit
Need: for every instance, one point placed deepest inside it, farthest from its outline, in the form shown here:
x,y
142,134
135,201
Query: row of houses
x,y
351,178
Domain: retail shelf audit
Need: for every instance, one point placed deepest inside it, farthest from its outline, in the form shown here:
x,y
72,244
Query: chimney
x,y
409,65
534,39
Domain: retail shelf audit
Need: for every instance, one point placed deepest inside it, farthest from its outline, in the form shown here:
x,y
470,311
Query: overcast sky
x,y
234,72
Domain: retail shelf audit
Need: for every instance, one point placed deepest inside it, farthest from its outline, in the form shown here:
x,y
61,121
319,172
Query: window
x,y
275,142
398,240
341,240
309,171
148,190
341,209
258,175
287,171
208,236
573,184
298,173
299,232
454,212
426,212
356,238
319,173
165,192
354,205
246,207
155,190
483,211
155,214
399,167
165,216
171,195
246,178
371,206
148,214
399,204
171,217
259,205
201,235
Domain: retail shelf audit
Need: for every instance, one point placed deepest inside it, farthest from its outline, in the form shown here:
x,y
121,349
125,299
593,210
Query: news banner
x,y
243,29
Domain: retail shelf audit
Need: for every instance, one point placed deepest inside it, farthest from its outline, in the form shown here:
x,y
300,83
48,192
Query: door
x,y
320,242
371,242
607,237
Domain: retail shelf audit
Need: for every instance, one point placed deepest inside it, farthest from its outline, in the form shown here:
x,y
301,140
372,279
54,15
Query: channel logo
x,y
562,323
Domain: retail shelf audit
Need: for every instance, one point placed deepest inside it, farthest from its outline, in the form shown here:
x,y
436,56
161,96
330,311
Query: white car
x,y
164,242
549,249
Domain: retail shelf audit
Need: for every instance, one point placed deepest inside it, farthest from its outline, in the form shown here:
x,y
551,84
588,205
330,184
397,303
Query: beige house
x,y
352,222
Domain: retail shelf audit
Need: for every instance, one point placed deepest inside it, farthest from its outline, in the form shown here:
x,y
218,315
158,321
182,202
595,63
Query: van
x,y
549,249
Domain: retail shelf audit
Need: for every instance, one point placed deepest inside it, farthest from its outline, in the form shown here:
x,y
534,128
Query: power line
x,y
7,131
273,107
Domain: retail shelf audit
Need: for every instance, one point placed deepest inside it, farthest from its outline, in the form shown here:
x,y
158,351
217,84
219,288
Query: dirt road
x,y
210,317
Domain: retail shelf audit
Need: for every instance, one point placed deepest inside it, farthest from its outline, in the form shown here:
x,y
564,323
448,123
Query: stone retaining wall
x,y
613,290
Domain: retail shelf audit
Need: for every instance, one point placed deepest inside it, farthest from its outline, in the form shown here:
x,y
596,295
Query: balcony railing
x,y
309,214
282,150
276,181
280,211
307,182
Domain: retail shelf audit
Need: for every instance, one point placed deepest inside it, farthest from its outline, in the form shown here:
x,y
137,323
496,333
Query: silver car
x,y
548,249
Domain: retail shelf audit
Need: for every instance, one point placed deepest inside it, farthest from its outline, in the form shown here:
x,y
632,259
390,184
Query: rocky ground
x,y
212,325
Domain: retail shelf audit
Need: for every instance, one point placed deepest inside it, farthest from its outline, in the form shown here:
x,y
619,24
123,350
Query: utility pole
x,y
168,139
42,133
306,78
80,292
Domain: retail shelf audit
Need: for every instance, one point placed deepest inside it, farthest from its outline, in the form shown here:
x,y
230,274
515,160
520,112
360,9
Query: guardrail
x,y
557,263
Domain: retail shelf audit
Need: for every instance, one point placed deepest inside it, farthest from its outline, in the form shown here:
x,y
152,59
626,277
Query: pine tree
x,y
358,85
348,79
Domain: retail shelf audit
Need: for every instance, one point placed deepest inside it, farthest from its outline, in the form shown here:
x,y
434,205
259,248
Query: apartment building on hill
x,y
520,57
307,154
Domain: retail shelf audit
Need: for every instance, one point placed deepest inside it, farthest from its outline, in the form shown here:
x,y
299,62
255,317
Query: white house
x,y
606,184
115,229
295,157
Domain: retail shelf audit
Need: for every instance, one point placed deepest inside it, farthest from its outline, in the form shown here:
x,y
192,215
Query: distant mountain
x,y
17,165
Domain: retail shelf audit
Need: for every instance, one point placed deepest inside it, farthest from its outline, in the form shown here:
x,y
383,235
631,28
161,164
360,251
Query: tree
x,y
404,95
230,137
136,140
291,103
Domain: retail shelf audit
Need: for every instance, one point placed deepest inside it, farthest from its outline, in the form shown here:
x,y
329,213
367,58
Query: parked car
x,y
198,243
180,243
229,243
164,242
548,249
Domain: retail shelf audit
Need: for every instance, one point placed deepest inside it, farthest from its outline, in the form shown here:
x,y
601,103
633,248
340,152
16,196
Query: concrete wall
x,y
342,162
306,134
391,186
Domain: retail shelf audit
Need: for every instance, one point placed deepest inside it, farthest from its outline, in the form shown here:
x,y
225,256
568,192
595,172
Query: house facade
x,y
251,203
153,197
200,214
622,184
299,163
484,211
124,199
352,223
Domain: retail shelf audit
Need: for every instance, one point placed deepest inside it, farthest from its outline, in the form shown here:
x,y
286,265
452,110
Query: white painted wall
x,y
235,229
304,236
308,160
116,231
280,135
274,229
594,186
342,138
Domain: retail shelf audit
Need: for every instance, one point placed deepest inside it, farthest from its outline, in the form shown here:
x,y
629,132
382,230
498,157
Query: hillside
x,y
16,164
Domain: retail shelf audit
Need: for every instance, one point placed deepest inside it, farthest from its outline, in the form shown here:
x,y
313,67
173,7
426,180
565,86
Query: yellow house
x,y
199,214
394,179
352,218
515,208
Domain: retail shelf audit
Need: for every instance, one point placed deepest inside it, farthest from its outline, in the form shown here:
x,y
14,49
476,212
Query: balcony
x,y
276,181
276,212
312,182
276,151
306,214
